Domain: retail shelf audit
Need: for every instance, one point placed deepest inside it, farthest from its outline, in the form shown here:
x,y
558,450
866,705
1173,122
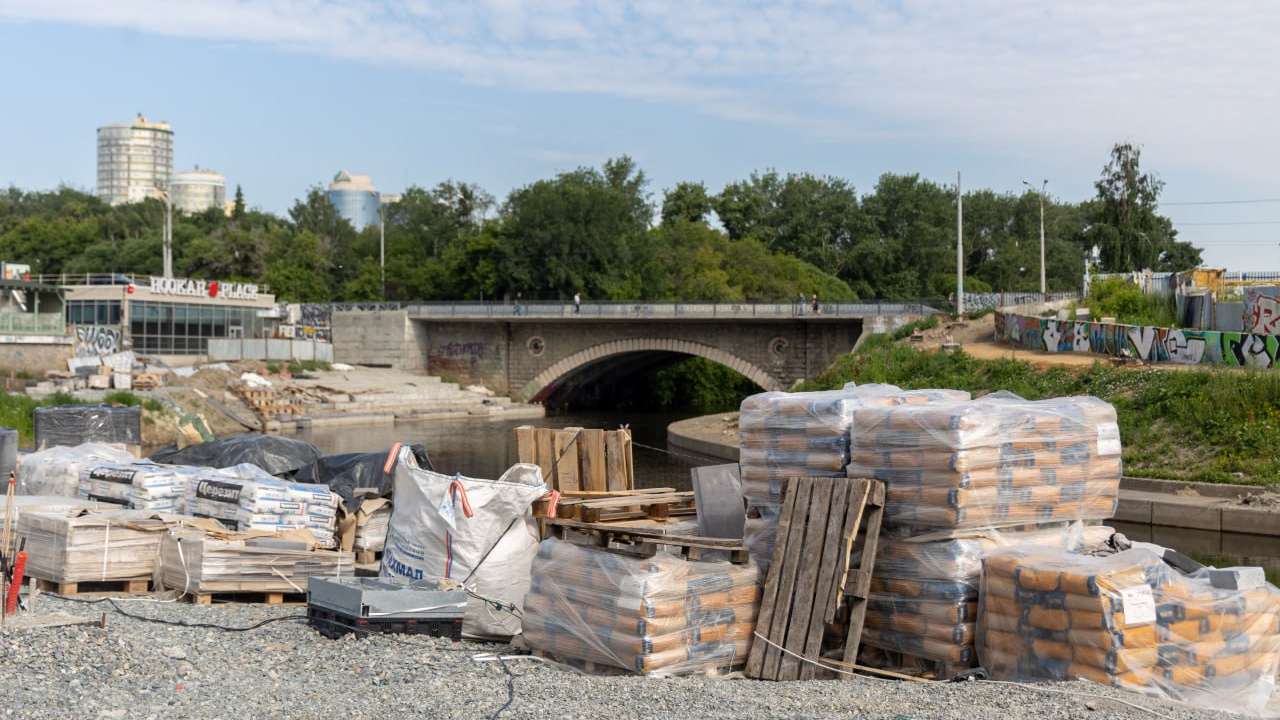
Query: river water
x,y
485,448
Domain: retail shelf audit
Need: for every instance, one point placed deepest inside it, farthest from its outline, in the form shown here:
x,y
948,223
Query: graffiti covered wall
x,y
1150,344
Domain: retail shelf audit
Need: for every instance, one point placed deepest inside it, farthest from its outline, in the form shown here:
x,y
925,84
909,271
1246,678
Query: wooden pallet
x,y
254,598
133,586
367,557
660,504
642,543
577,458
814,600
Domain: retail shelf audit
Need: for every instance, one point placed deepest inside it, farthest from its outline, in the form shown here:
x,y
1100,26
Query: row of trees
x,y
599,231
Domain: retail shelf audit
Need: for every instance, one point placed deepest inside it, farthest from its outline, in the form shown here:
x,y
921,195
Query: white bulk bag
x,y
479,532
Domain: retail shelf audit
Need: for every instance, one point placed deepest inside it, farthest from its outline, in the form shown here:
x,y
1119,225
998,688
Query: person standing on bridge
x,y
802,302
577,303
519,301
817,310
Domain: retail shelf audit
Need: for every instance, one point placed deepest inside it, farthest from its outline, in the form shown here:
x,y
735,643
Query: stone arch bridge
x,y
541,350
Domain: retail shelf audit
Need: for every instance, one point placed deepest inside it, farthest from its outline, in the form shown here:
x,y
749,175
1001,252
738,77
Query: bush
x,y
905,330
298,366
1121,299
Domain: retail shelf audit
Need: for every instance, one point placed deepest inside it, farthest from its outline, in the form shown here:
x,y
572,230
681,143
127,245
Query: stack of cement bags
x,y
786,435
244,498
656,616
1129,621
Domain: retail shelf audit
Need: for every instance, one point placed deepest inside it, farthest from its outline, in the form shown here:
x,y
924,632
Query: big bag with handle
x,y
479,532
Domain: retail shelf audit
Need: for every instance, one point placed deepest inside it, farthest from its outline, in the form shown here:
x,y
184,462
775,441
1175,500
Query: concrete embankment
x,y
1180,506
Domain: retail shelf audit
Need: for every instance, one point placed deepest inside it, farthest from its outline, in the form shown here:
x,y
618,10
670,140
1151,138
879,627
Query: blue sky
x,y
278,95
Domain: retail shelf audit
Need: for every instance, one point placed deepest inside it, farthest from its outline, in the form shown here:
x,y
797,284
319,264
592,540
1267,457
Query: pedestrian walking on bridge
x,y
577,303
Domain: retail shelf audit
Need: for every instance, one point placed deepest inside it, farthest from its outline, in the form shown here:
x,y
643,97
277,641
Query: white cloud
x,y
1068,76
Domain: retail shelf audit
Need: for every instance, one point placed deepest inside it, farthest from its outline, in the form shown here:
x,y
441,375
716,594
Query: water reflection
x,y
1221,549
486,448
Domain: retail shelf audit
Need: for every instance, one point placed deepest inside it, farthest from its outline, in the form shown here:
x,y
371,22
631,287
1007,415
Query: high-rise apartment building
x,y
195,191
355,198
134,159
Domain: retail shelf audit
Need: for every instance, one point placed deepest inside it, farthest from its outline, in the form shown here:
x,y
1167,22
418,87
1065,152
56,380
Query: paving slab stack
x,y
962,479
785,435
659,616
1129,621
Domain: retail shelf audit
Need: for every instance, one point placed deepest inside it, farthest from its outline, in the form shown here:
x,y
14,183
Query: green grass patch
x,y
307,366
1125,301
926,324
1211,425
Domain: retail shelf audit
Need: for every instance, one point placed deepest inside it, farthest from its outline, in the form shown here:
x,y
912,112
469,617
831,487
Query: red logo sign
x,y
213,289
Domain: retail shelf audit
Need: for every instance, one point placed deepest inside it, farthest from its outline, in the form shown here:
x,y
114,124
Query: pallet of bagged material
x,y
206,561
642,542
91,545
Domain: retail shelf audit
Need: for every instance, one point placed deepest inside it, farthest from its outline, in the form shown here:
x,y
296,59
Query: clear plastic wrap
x,y
924,594
993,462
56,471
655,616
1130,621
245,497
92,545
140,486
71,425
784,435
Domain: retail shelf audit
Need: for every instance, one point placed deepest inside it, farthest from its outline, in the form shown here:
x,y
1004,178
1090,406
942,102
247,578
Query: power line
x,y
1248,222
1223,202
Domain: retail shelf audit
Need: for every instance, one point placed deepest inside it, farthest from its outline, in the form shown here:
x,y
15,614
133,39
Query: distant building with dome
x,y
356,199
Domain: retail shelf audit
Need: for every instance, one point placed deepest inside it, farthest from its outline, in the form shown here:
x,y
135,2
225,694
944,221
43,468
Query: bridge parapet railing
x,y
657,310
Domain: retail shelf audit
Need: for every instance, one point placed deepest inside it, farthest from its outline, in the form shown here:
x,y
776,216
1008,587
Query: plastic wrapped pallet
x,y
478,531
245,497
924,594
662,615
371,524
92,545
72,425
140,486
784,435
203,561
39,504
56,471
1129,621
993,462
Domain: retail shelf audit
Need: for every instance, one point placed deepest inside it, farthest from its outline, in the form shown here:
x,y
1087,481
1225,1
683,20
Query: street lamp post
x,y
382,243
168,231
1044,295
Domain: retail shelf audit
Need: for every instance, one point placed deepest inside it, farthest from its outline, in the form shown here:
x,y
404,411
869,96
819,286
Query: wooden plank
x,y
615,465
825,587
627,458
788,563
565,455
858,493
527,445
592,454
544,451
770,605
625,531
857,602
805,596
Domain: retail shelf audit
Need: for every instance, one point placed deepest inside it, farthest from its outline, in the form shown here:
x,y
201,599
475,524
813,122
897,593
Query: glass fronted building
x,y
134,159
172,316
355,198
198,190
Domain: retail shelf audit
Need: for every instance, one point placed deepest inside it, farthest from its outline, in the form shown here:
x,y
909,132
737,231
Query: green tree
x,y
335,235
687,201
296,271
237,209
1127,231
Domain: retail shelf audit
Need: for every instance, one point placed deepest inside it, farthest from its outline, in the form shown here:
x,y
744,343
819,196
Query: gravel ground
x,y
141,670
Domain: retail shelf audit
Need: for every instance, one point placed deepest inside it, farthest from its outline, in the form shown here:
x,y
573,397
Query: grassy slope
x,y
1202,425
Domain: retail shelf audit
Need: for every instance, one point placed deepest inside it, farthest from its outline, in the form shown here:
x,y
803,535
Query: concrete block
x,y
1237,578
1193,516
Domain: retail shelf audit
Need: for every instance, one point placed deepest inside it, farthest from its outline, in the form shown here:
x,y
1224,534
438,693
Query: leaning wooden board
x,y
579,459
809,603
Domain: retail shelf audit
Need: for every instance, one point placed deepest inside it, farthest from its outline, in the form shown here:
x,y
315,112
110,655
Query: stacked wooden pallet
x,y
266,403
114,546
577,458
659,504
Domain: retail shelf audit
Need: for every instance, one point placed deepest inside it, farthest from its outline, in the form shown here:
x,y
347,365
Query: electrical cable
x,y
179,623
669,452
511,688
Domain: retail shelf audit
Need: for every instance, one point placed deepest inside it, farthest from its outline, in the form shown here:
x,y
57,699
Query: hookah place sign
x,y
187,287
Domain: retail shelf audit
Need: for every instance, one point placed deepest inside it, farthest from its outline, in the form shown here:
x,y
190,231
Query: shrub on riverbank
x,y
1207,425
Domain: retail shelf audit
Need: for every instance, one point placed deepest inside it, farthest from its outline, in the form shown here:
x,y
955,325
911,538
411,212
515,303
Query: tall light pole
x,y
168,231
1044,295
382,243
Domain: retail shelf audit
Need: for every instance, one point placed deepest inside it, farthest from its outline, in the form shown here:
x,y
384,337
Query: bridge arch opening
x,y
605,375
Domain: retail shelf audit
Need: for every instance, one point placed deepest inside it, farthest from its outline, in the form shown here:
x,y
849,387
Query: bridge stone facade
x,y
529,358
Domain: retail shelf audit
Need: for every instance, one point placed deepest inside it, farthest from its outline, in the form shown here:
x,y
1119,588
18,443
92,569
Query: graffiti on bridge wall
x,y
1150,344
465,357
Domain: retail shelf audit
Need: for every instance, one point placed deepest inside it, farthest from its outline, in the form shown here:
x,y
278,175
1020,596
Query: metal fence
x,y
232,349
33,323
678,310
